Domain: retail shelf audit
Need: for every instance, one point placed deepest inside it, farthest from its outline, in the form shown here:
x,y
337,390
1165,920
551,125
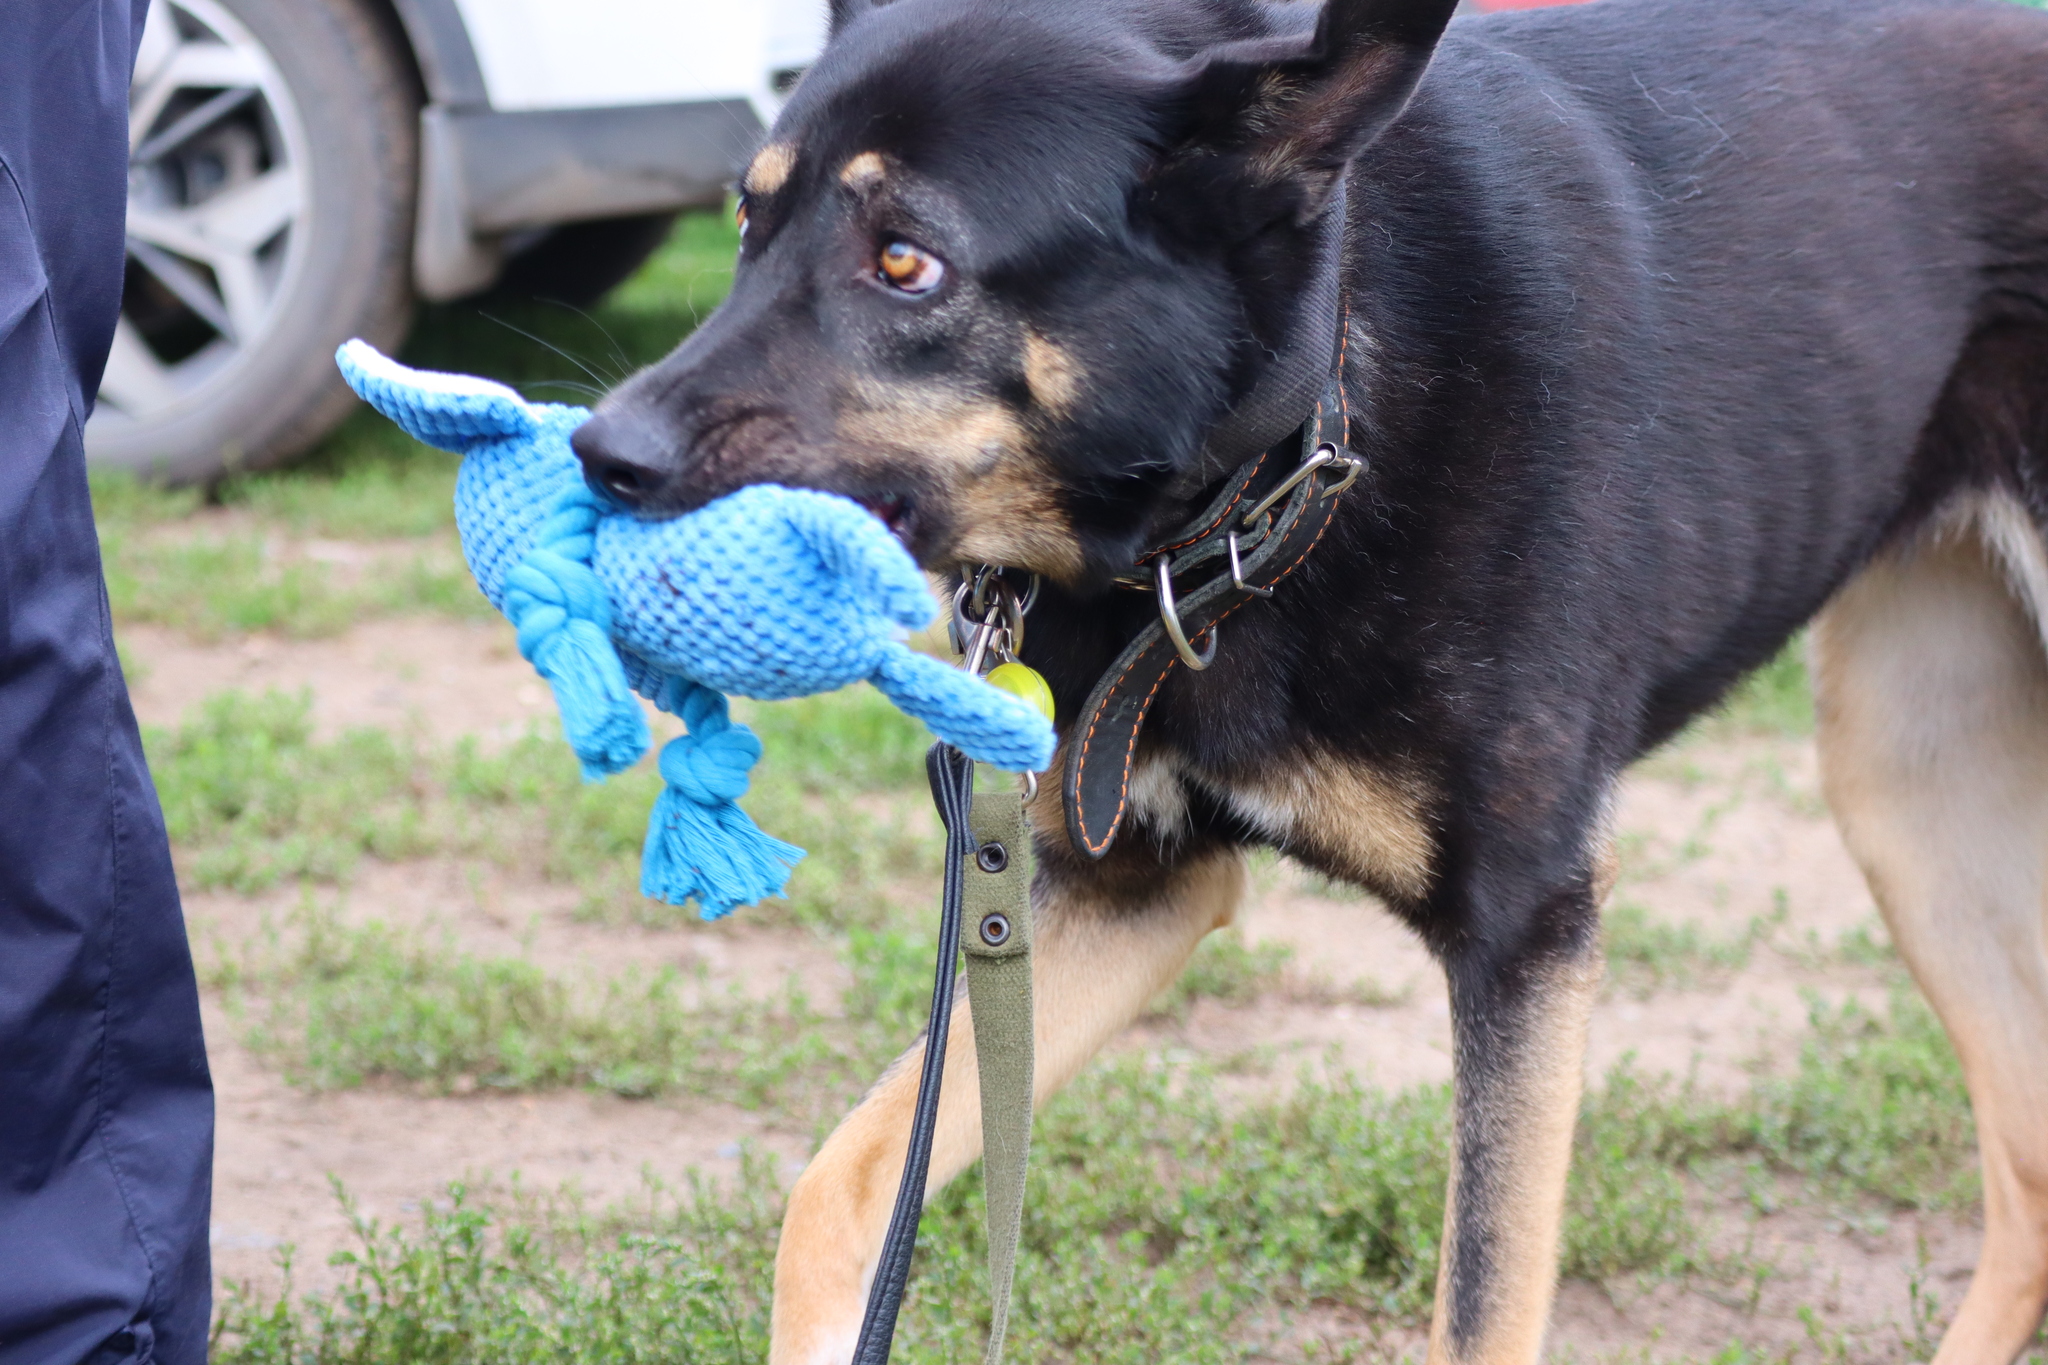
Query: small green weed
x,y
1162,1223
212,585
840,741
212,582
1877,1107
1646,954
337,1004
250,799
1224,968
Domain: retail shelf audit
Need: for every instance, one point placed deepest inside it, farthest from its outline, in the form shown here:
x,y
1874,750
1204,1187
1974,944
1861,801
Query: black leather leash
x,y
952,780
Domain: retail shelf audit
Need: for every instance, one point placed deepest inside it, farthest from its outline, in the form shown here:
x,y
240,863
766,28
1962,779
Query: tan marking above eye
x,y
863,172
771,167
1053,375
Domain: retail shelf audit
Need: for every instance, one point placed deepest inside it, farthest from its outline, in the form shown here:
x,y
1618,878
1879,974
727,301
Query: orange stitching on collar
x,y
1221,517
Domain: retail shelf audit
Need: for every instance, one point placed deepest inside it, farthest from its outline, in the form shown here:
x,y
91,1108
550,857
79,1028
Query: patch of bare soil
x,y
1729,837
278,1148
488,912
436,678
1873,1293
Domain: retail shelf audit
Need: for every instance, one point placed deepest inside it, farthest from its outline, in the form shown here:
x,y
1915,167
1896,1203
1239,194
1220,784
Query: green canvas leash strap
x,y
988,874
996,936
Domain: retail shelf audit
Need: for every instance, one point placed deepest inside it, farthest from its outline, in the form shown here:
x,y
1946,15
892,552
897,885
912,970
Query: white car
x,y
301,171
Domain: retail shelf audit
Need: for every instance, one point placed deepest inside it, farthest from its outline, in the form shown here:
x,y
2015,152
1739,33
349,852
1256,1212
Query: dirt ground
x,y
1720,835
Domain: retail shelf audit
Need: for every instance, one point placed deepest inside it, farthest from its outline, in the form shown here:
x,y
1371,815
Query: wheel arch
x,y
436,42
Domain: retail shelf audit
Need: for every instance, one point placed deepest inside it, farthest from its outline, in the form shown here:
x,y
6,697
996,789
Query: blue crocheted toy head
x,y
769,593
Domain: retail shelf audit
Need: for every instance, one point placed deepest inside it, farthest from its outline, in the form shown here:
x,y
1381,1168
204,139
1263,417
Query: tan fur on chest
x,y
1367,823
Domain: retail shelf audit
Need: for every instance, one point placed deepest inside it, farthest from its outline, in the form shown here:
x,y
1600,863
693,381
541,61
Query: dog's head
x,y
1005,262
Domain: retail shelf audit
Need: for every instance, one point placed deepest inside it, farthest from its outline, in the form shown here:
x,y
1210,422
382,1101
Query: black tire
x,y
579,263
266,386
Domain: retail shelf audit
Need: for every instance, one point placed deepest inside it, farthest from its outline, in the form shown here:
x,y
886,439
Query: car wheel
x,y
272,160
579,263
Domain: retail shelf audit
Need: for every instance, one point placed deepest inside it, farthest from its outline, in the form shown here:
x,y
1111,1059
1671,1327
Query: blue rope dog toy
x,y
768,593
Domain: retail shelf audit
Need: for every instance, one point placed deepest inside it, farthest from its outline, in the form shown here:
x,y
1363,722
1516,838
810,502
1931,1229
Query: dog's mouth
x,y
899,514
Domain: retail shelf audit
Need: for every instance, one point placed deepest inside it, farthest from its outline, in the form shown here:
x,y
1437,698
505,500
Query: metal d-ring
x,y
1169,617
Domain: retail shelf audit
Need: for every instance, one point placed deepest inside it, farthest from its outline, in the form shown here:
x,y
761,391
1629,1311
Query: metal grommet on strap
x,y
992,857
995,929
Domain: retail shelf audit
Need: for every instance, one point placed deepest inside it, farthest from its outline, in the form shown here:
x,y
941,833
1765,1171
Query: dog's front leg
x,y
1099,958
1518,1020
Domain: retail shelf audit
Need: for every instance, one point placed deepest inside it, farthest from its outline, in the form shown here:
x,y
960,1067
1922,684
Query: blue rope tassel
x,y
564,619
700,844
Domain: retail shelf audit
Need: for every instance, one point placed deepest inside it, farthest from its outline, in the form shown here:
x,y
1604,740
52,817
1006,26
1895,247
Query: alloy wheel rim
x,y
217,195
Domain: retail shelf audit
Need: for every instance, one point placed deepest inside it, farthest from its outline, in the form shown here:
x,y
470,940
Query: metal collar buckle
x,y
1325,456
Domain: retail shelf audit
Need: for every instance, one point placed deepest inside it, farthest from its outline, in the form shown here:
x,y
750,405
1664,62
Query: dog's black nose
x,y
621,463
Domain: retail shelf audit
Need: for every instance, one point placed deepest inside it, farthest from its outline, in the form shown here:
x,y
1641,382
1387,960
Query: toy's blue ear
x,y
855,545
982,721
453,411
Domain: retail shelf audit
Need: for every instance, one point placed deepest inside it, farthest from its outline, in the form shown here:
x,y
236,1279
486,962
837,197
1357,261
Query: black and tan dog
x,y
1665,325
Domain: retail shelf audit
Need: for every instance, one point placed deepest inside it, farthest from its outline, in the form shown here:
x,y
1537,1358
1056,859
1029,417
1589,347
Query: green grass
x,y
1877,1106
1162,1224
213,584
1225,968
337,1004
483,1283
250,798
1646,954
368,481
253,798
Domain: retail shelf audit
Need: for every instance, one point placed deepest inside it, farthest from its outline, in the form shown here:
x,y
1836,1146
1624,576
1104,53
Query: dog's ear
x,y
1269,124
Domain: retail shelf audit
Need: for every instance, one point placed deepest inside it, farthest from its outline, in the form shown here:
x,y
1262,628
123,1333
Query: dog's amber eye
x,y
739,215
909,268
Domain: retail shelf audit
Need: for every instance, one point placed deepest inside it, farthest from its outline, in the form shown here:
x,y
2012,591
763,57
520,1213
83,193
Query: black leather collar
x,y
1263,524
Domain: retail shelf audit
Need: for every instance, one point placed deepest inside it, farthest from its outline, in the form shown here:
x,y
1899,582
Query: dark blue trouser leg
x,y
106,1111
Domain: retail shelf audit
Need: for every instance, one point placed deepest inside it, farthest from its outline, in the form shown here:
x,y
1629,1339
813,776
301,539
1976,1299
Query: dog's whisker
x,y
531,336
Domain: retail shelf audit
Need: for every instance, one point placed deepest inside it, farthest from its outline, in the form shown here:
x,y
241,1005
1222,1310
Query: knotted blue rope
x,y
564,618
700,844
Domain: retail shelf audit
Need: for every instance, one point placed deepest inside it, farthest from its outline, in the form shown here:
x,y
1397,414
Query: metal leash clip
x,y
988,628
